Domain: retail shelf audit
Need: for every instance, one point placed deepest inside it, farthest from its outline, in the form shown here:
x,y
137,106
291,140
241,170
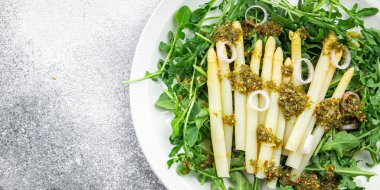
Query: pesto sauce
x,y
248,29
227,32
328,113
269,28
308,182
229,119
270,86
293,100
331,114
353,109
253,163
271,170
244,80
287,71
303,33
266,135
331,43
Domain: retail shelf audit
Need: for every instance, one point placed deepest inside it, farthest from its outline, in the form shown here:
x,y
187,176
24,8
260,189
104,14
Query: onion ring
x,y
346,57
265,19
223,58
349,127
297,73
263,93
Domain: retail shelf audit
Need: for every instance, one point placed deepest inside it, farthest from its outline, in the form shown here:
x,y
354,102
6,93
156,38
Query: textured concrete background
x,y
64,115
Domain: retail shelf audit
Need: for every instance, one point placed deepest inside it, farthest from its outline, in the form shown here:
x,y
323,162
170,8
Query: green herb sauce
x,y
244,80
293,100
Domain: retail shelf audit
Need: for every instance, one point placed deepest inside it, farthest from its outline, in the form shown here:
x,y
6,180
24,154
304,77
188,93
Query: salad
x,y
271,93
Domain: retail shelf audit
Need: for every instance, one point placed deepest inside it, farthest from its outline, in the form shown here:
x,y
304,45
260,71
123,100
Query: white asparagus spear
x,y
266,73
279,133
215,108
321,69
240,99
266,149
227,101
319,130
251,145
277,152
294,159
318,134
295,38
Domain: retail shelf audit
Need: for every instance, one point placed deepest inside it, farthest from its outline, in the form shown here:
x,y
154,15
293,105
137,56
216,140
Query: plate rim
x,y
133,99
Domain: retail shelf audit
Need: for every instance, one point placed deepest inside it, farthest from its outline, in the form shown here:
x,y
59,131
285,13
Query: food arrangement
x,y
246,109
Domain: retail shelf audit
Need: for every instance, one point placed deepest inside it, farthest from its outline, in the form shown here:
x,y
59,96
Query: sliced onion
x,y
297,74
349,127
308,143
265,19
346,59
223,57
263,93
345,96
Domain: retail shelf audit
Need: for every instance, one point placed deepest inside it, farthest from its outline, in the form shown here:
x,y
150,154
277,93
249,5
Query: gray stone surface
x,y
64,114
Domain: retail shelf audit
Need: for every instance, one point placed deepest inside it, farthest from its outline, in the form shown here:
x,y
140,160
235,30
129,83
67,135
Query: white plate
x,y
152,125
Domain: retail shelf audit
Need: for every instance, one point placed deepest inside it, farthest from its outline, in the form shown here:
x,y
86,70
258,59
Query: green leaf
x,y
192,133
321,35
347,182
175,150
164,47
200,13
284,21
352,170
347,24
374,137
165,102
367,12
207,28
238,159
175,124
183,16
239,181
170,163
216,183
343,142
182,169
375,33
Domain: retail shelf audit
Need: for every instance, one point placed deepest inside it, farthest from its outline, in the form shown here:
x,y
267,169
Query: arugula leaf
x,y
351,171
348,182
164,47
367,12
200,13
165,102
192,135
175,150
183,16
239,181
343,142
